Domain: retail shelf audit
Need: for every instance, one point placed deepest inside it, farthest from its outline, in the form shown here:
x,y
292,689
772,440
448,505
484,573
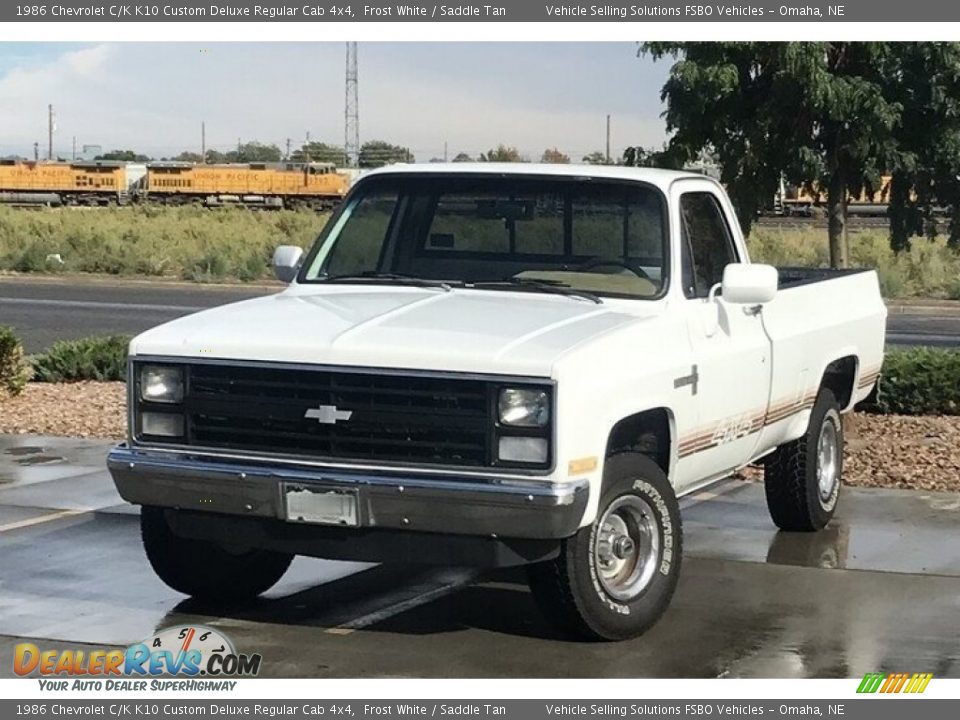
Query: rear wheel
x,y
204,569
802,478
614,578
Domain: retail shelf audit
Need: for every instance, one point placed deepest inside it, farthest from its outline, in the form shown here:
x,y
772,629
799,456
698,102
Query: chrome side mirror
x,y
286,262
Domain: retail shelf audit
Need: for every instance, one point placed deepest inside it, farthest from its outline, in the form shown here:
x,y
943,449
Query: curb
x,y
946,309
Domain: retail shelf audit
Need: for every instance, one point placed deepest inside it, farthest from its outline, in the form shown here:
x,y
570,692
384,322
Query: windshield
x,y
496,232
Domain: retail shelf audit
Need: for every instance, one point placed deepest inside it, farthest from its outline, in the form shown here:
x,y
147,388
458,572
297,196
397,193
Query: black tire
x,y
571,591
203,569
795,498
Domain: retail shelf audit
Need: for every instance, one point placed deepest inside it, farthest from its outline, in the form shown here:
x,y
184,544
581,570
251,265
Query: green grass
x,y
190,243
236,244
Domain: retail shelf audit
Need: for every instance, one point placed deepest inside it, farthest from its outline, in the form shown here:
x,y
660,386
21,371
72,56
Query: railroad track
x,y
798,221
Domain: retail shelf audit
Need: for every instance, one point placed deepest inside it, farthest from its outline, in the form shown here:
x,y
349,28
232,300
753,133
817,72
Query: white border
x,y
647,691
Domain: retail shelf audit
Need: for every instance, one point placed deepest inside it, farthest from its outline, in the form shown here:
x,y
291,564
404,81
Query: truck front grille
x,y
339,414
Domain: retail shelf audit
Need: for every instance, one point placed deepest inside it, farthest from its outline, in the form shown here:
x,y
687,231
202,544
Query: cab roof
x,y
654,176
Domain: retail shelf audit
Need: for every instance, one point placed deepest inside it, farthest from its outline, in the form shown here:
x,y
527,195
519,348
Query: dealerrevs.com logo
x,y
187,651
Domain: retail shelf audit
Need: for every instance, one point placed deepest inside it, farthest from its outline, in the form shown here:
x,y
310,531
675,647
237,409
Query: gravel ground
x,y
83,409
882,451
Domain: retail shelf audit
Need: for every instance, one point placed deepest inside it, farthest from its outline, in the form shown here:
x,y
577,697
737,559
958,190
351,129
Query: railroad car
x,y
92,183
278,185
793,200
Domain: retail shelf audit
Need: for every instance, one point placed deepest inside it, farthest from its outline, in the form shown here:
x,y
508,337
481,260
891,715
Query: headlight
x,y
521,407
161,383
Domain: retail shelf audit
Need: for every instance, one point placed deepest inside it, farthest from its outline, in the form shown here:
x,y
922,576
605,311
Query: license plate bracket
x,y
321,505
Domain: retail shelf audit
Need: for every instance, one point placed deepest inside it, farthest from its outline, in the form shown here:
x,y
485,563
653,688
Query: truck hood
x,y
460,330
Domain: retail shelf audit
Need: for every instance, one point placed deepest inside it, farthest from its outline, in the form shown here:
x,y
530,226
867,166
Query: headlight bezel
x,y
538,426
157,405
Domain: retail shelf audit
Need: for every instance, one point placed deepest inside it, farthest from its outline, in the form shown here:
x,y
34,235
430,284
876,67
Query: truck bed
x,y
796,276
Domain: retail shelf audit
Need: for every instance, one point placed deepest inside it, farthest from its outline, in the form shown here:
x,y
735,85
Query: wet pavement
x,y
877,591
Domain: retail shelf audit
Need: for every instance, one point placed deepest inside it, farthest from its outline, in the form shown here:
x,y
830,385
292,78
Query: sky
x,y
152,97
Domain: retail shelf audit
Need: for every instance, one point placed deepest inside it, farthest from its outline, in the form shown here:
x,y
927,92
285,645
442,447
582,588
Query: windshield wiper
x,y
371,276
546,286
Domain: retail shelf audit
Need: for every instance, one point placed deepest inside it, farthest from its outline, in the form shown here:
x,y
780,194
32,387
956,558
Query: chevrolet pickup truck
x,y
496,365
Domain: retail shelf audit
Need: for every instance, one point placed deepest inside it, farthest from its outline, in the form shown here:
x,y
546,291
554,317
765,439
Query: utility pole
x,y
203,142
36,152
288,149
608,139
74,148
445,151
351,109
49,132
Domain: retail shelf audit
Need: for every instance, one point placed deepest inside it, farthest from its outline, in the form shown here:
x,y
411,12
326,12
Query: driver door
x,y
731,375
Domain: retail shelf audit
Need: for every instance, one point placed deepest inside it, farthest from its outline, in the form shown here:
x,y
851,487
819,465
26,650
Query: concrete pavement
x,y
877,591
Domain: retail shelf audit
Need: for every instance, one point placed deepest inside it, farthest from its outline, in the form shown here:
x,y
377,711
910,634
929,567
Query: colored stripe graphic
x,y
894,683
870,683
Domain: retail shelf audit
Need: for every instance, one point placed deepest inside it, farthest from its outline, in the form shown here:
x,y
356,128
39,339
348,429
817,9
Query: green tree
x,y
501,153
924,78
376,153
462,157
554,156
320,152
123,156
597,157
814,111
254,151
190,157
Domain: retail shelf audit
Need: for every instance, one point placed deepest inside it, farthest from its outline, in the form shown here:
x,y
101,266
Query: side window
x,y
360,245
707,246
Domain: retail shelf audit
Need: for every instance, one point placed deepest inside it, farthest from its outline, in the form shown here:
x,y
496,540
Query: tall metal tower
x,y
351,140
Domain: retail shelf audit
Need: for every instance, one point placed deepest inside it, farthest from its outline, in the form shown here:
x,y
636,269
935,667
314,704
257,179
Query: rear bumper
x,y
399,500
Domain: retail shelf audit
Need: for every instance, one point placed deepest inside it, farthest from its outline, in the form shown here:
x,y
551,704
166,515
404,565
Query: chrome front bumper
x,y
398,499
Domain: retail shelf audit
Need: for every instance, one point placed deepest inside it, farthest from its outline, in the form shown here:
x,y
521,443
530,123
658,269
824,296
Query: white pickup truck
x,y
497,365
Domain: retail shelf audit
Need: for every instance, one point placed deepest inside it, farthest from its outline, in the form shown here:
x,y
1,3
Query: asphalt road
x,y
45,311
865,595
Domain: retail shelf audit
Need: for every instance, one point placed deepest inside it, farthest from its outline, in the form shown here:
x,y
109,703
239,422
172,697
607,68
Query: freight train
x,y
798,201
99,183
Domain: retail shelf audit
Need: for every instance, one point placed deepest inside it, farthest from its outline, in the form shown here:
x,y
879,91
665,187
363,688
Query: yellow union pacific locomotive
x,y
93,183
283,184
61,183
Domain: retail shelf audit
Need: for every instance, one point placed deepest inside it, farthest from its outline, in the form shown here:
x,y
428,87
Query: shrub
x,y
14,371
919,381
95,358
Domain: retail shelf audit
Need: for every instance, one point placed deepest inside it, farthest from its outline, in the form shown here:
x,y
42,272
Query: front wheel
x,y
204,569
802,477
614,578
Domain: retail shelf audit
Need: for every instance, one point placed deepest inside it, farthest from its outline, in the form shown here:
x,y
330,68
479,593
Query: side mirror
x,y
749,283
286,262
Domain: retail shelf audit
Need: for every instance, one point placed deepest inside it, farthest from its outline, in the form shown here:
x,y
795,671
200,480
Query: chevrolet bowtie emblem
x,y
328,414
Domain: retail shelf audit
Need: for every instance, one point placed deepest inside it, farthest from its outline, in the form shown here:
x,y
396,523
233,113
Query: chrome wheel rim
x,y
828,460
626,547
